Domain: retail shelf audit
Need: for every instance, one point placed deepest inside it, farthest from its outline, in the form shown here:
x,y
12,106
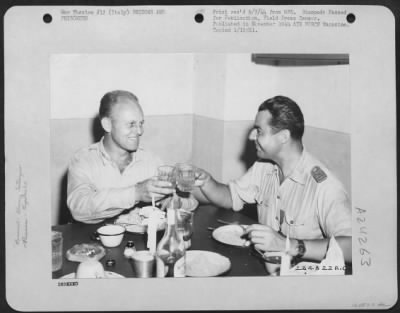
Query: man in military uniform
x,y
294,192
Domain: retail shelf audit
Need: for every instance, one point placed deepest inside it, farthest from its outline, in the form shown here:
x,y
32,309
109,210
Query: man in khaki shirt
x,y
114,174
294,192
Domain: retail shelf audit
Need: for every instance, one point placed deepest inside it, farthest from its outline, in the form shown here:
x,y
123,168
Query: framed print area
x,y
200,73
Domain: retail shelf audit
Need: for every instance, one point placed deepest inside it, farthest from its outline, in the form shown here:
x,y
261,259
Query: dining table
x,y
244,259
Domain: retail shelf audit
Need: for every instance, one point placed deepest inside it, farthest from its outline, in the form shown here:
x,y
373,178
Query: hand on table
x,y
153,187
265,238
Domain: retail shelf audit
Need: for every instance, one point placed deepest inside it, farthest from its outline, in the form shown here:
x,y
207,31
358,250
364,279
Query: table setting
x,y
127,246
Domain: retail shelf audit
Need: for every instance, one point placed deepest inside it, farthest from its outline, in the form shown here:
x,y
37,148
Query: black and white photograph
x,y
238,147
195,112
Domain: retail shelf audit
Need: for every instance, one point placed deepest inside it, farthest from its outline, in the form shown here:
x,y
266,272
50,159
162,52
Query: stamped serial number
x,y
67,283
319,267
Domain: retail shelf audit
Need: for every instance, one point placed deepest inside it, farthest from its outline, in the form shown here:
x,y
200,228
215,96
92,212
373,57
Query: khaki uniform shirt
x,y
96,187
311,202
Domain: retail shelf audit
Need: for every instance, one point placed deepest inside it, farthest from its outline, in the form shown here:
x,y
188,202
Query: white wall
x,y
227,87
162,82
247,86
322,92
209,81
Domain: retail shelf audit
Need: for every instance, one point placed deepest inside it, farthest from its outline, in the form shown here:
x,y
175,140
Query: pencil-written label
x,y
371,305
362,237
21,187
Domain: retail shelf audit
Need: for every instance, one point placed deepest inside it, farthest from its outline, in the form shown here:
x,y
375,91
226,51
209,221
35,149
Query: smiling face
x,y
268,142
125,125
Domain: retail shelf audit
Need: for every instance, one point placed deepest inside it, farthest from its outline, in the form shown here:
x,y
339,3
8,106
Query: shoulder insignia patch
x,y
318,174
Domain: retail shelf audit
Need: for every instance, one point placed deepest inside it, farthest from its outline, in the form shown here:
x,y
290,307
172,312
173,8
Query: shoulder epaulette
x,y
318,174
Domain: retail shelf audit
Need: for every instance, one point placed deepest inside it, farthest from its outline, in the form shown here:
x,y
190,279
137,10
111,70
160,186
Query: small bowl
x,y
111,235
273,262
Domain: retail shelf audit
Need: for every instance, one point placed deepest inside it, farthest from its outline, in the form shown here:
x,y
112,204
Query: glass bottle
x,y
185,226
170,253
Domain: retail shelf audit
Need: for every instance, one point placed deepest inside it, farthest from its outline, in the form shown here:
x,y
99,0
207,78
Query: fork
x,y
231,223
260,252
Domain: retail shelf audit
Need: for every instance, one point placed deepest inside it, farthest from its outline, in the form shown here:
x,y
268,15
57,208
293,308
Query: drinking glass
x,y
185,226
167,173
143,263
57,248
185,176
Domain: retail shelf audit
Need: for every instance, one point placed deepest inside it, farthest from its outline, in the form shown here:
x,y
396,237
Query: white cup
x,y
273,262
111,235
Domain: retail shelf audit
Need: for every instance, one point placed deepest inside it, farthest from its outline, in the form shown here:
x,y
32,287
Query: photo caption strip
x,y
230,20
82,15
252,20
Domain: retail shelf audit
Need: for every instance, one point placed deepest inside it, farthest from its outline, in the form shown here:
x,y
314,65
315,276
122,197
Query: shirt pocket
x,y
266,212
306,226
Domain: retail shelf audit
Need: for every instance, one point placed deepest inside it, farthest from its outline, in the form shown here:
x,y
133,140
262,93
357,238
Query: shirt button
x,y
276,218
291,222
278,196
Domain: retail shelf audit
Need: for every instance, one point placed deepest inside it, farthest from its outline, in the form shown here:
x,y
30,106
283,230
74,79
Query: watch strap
x,y
301,248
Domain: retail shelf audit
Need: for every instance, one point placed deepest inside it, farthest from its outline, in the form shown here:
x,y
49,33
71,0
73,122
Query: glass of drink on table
x,y
167,173
185,176
57,249
143,263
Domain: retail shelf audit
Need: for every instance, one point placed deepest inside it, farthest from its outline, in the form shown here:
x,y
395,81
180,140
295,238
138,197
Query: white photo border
x,y
29,42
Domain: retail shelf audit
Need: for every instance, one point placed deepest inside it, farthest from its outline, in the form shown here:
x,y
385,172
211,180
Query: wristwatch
x,y
300,249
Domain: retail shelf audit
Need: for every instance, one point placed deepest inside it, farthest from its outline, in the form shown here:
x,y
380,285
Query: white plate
x,y
230,235
206,263
139,229
134,223
80,252
108,274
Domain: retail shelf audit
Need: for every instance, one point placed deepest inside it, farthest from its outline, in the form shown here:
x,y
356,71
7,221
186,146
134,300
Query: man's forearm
x,y
86,204
200,196
218,194
316,249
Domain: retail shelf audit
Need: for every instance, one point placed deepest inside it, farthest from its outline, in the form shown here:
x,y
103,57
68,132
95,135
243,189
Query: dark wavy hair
x,y
111,98
286,114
